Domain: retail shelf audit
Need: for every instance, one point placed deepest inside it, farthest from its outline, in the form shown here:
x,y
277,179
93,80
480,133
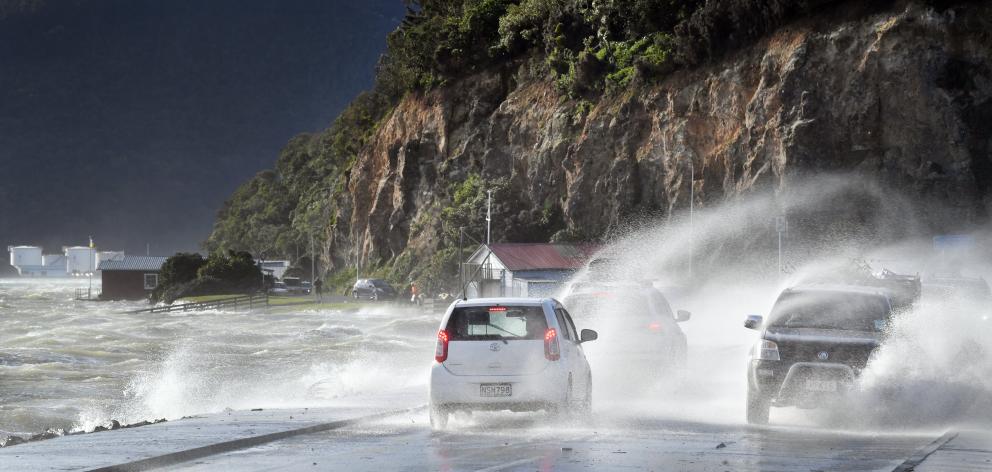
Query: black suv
x,y
815,343
373,289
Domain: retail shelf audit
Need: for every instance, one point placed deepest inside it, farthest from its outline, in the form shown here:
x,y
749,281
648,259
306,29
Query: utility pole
x,y
461,268
781,226
93,267
692,202
489,216
313,271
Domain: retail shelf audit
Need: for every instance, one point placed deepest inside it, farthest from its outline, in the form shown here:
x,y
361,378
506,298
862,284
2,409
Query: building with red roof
x,y
524,269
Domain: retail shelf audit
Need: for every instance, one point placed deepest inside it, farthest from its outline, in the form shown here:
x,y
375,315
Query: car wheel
x,y
584,409
567,407
439,418
681,368
758,407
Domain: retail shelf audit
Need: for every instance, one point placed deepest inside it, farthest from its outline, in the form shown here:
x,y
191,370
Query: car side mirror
x,y
682,315
587,335
753,321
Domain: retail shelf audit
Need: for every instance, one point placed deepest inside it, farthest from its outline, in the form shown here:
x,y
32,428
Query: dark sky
x,y
132,120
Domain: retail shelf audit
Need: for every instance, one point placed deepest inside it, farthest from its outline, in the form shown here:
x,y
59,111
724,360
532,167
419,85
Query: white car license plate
x,y
495,390
821,385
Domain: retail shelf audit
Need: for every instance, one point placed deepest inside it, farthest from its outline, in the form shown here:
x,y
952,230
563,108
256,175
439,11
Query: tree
x,y
181,267
177,270
236,269
253,218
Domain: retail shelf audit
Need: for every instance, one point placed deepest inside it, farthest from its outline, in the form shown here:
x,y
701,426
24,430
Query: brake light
x,y
441,350
655,327
551,349
497,308
767,350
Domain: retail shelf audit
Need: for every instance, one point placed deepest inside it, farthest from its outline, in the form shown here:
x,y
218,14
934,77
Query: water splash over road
x,y
71,365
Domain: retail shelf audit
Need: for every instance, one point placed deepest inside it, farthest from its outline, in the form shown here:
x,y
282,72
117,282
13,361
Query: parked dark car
x,y
373,289
813,346
295,286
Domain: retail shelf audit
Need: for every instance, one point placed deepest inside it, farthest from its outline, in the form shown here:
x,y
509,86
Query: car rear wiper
x,y
501,338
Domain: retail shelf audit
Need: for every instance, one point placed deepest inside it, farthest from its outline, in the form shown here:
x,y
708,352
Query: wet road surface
x,y
494,441
537,442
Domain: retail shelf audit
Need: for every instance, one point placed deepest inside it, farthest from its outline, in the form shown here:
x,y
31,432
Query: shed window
x,y
151,281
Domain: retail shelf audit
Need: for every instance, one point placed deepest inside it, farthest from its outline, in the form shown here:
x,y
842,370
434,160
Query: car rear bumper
x,y
529,392
790,383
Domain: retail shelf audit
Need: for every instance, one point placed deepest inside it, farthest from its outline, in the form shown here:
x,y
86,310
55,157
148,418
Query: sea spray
x,y
726,262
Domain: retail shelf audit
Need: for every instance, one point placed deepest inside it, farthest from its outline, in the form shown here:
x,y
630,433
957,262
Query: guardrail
x,y
250,302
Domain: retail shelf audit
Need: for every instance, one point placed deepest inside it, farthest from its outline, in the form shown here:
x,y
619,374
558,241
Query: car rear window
x,y
849,311
631,306
496,322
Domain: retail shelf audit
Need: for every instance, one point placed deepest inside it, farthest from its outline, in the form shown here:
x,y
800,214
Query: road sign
x,y
953,242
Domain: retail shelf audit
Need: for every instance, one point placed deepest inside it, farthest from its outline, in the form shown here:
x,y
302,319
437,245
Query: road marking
x,y
507,465
243,443
922,453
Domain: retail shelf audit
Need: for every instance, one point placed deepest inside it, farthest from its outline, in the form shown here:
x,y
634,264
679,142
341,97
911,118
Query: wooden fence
x,y
247,302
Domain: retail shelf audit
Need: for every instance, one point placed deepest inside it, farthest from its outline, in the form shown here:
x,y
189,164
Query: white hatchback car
x,y
518,354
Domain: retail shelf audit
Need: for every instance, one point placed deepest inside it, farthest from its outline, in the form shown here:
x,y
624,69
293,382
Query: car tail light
x,y
441,351
551,349
767,350
656,327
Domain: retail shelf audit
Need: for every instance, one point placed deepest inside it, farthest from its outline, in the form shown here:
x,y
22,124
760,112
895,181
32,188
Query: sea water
x,y
73,365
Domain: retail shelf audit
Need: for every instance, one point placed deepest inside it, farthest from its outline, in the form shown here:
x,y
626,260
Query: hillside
x,y
583,117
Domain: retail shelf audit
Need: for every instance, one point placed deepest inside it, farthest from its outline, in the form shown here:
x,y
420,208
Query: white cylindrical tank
x,y
25,256
106,256
80,259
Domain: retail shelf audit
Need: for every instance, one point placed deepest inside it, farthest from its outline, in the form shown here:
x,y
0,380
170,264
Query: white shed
x,y
523,269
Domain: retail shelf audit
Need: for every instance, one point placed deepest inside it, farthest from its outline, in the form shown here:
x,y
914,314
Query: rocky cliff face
x,y
902,95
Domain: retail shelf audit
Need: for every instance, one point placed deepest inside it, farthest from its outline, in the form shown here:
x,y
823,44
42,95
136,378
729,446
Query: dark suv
x,y
373,289
815,343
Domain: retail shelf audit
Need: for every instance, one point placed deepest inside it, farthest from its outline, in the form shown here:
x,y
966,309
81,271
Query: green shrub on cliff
x,y
716,27
590,45
442,39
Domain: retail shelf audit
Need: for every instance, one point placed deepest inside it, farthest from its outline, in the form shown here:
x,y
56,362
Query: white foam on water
x,y
78,365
